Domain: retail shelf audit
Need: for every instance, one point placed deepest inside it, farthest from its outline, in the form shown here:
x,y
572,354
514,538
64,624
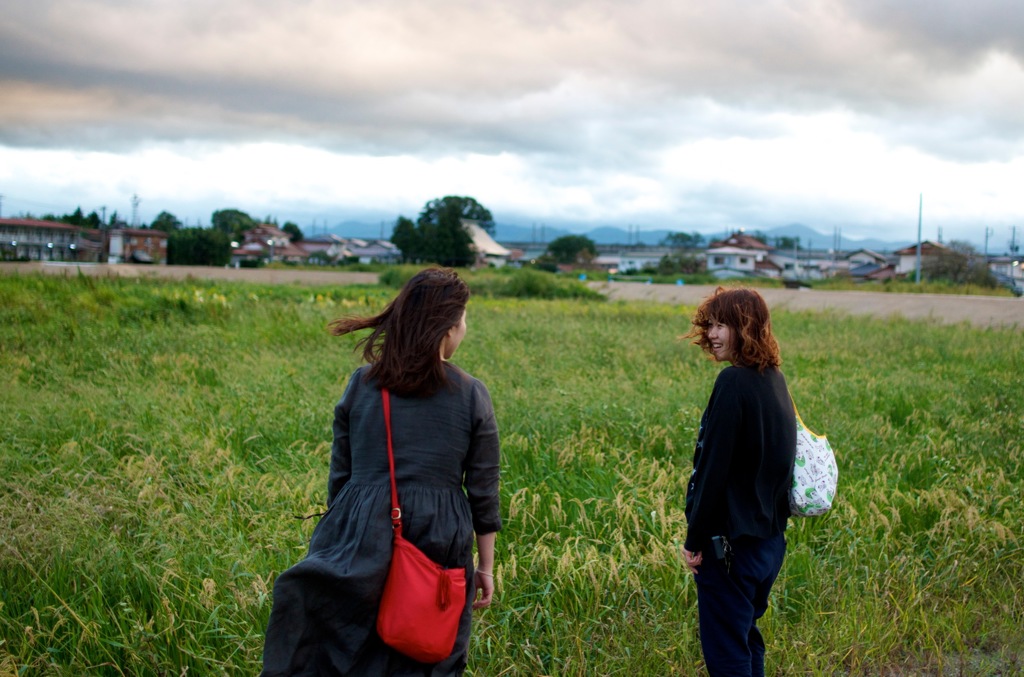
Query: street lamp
x,y
271,243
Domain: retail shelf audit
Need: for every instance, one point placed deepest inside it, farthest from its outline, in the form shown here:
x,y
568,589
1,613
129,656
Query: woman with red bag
x,y
446,453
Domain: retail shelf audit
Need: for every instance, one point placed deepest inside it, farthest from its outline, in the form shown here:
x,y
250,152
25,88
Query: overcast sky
x,y
680,114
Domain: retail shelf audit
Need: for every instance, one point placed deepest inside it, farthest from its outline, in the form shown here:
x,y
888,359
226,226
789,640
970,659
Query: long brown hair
x,y
404,348
745,312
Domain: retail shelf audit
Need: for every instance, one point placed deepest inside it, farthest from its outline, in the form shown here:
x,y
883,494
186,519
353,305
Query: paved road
x,y
981,311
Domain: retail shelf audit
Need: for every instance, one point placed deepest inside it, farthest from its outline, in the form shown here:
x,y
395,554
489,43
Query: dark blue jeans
x,y
729,604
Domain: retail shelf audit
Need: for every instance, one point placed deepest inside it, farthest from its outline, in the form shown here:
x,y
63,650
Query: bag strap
x,y
396,511
795,410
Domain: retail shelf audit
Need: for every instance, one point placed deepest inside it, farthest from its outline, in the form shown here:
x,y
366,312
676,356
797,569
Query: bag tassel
x,y
444,592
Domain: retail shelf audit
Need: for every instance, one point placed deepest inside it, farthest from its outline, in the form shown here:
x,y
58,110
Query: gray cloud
x,y
531,77
580,89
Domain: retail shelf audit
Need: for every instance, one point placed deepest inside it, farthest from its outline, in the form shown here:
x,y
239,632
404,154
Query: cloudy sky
x,y
680,114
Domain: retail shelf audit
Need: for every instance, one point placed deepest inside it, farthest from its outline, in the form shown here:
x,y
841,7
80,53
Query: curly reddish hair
x,y
746,314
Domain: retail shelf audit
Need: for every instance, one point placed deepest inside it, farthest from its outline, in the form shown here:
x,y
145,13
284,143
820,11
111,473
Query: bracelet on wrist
x,y
484,573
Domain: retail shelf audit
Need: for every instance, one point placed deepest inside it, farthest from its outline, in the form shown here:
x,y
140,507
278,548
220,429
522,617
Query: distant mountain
x,y
511,232
611,235
363,230
604,235
504,232
812,239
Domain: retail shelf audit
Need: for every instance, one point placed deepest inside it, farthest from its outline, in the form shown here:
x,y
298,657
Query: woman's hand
x,y
693,560
484,589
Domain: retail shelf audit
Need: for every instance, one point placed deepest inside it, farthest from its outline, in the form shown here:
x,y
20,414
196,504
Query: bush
x,y
396,276
520,283
526,283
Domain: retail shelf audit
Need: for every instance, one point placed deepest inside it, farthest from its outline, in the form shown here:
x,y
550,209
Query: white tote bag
x,y
815,474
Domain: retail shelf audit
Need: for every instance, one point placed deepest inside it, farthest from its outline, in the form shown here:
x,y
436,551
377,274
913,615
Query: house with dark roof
x,y
334,249
873,272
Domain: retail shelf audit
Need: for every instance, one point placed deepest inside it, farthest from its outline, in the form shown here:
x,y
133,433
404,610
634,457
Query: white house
x,y
1007,266
724,262
635,259
908,256
740,255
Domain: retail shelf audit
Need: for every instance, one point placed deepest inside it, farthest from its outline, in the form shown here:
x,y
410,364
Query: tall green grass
x,y
159,439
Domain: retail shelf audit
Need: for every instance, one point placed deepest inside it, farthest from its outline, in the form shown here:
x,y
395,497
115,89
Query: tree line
x,y
197,246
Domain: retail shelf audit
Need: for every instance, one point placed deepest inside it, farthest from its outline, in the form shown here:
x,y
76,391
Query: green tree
x,y
407,238
75,218
198,247
464,207
439,236
293,230
445,239
959,264
166,222
787,243
573,249
681,264
684,240
233,222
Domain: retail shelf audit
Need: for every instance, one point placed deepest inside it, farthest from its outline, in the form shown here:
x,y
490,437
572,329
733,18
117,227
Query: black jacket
x,y
743,462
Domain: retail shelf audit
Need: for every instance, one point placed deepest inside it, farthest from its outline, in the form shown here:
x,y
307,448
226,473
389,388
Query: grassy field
x,y
159,438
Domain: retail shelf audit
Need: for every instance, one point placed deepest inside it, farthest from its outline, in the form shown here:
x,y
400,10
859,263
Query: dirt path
x,y
261,275
981,311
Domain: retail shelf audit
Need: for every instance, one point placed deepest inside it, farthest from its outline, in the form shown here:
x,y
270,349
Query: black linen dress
x,y
446,450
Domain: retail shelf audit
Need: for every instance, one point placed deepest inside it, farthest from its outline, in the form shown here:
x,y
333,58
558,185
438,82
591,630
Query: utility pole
x,y
135,211
988,231
103,218
920,209
1013,239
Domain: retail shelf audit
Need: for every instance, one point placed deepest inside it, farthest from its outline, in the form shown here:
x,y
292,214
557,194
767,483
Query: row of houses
x,y
738,255
36,240
741,255
270,244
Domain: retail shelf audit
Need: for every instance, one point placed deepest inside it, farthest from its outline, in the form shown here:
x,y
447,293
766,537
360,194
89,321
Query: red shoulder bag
x,y
422,603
